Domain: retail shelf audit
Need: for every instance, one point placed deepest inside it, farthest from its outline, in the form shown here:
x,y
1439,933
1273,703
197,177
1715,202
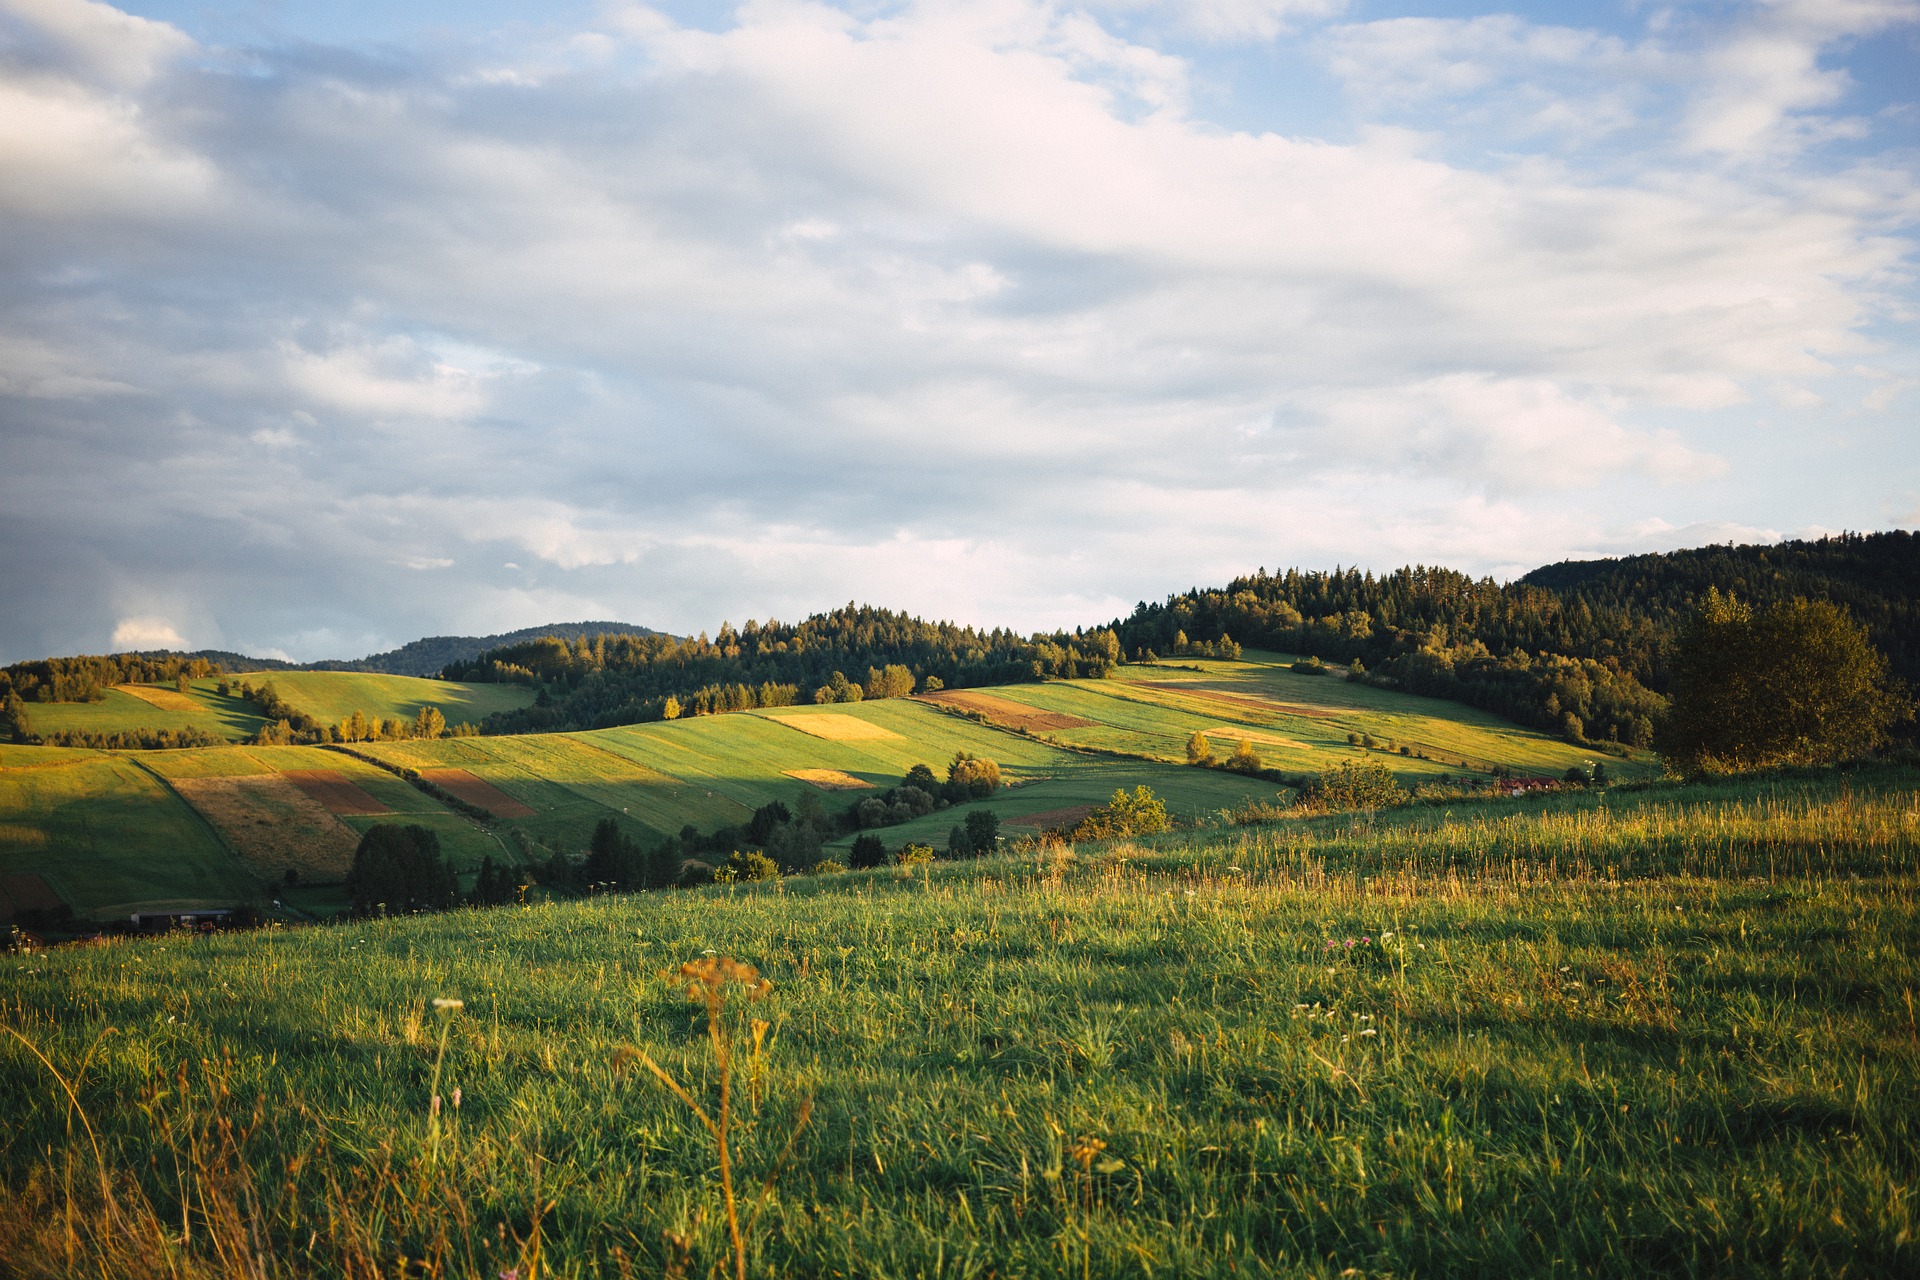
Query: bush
x,y
1311,667
1199,750
694,873
970,777
1244,758
1357,784
914,855
868,851
1138,814
827,867
751,866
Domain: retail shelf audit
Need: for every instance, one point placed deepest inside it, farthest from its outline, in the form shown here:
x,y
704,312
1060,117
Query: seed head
x,y
447,1004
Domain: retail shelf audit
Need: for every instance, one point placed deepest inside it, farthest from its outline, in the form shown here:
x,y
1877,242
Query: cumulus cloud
x,y
966,307
147,633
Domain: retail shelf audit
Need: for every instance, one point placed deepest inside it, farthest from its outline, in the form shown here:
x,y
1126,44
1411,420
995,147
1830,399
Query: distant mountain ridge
x,y
428,656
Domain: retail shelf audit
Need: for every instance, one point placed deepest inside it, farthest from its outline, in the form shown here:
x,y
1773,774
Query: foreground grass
x,y
1544,1059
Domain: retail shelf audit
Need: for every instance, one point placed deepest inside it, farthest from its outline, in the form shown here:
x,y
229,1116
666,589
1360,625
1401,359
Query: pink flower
x,y
1349,942
1365,941
434,1106
456,1098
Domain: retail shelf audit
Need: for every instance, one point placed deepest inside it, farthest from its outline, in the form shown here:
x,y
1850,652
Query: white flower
x,y
447,1004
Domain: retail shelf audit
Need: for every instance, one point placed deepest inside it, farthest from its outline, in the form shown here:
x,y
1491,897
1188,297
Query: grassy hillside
x,y
1528,1062
332,696
549,790
108,836
130,708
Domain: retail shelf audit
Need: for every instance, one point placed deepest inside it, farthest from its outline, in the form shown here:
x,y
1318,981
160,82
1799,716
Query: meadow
x,y
1660,1031
333,696
235,831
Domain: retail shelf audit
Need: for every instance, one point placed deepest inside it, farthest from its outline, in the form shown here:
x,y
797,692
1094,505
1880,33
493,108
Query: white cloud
x,y
965,302
146,633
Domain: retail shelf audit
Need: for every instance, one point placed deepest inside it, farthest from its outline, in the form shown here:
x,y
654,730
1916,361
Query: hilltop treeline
x,y
88,677
842,656
1874,577
1578,649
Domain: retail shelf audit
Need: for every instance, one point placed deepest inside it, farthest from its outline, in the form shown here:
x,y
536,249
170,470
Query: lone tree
x,y
1199,750
399,868
1796,683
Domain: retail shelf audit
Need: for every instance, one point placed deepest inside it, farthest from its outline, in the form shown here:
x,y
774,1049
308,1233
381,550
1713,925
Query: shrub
x,y
827,867
694,873
970,777
1138,814
1311,667
914,855
751,866
1356,784
1199,750
983,830
1244,758
868,851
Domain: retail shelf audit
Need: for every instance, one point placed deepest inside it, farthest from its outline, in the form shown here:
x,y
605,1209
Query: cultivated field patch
x,y
1210,693
829,779
836,728
477,790
1005,713
156,696
272,824
334,790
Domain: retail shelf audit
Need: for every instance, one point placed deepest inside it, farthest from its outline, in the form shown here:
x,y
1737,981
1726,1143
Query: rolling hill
x,y
109,831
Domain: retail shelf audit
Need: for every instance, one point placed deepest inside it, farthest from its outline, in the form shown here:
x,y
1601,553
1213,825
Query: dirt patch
x,y
477,790
836,728
1046,818
334,790
165,699
1005,713
829,779
1207,694
274,825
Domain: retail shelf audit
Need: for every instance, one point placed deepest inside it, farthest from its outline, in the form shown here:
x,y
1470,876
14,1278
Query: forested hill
x,y
428,656
851,653
1875,576
1577,648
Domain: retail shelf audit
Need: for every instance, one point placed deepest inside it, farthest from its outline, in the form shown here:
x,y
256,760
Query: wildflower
x,y
1368,1032
456,1097
434,1106
1365,941
447,1004
1349,944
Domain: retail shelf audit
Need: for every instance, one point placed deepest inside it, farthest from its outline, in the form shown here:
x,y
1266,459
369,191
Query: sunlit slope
x,y
1298,723
332,696
131,708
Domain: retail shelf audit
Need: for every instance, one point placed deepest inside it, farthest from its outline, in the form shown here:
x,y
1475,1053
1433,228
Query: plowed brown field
x,y
273,824
477,790
335,791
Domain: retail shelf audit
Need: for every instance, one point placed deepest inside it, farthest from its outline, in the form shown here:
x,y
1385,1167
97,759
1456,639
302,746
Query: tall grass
x,y
1136,1061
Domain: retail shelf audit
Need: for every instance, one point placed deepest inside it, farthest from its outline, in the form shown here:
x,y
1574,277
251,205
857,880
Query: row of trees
x,y
87,677
605,680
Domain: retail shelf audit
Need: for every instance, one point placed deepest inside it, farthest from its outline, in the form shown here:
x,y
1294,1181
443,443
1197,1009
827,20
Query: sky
x,y
325,326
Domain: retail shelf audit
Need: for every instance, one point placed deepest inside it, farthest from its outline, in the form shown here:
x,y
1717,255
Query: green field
x,y
108,835
1545,1058
121,712
333,696
714,771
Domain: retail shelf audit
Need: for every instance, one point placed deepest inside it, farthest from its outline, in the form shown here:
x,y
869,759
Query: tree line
x,y
846,655
87,677
1583,650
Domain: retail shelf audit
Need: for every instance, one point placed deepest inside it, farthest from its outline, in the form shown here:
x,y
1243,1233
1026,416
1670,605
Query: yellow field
x,y
163,698
829,779
835,728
